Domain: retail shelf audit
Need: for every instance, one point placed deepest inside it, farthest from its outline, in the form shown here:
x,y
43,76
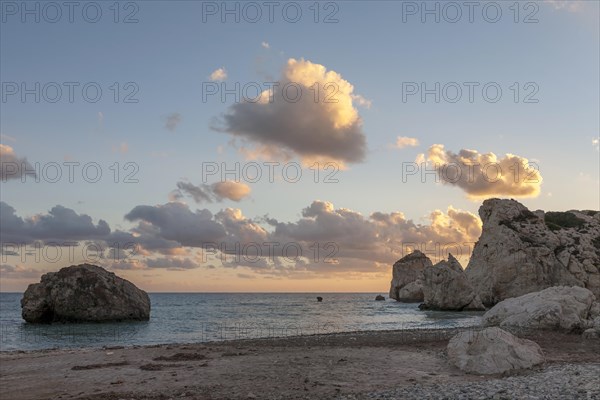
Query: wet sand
x,y
307,367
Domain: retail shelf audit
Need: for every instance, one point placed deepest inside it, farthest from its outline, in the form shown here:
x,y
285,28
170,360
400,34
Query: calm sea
x,y
201,317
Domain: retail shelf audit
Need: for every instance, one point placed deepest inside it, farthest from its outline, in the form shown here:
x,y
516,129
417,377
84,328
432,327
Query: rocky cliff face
x,y
407,277
520,251
446,287
82,293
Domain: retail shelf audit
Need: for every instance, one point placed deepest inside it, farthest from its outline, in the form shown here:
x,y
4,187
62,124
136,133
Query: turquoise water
x,y
201,317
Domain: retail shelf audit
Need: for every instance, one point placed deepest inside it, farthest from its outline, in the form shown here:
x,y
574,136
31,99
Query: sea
x,y
205,317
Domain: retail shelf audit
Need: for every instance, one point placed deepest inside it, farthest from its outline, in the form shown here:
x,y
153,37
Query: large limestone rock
x,y
446,287
520,251
492,351
407,277
560,307
81,293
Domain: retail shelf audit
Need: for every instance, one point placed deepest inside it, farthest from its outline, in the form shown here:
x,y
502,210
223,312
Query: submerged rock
x,y
555,308
407,277
520,251
84,293
492,351
446,287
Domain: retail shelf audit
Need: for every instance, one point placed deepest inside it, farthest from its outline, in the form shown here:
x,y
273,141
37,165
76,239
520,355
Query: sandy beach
x,y
388,364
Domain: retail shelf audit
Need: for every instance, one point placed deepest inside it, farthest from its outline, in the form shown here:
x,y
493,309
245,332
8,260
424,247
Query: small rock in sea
x,y
379,298
319,299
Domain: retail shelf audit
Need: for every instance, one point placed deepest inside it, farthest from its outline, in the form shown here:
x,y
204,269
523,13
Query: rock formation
x,y
446,287
560,307
492,351
407,277
84,293
379,298
520,251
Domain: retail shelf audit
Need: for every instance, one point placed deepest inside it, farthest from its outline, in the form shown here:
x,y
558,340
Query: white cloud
x,y
12,166
265,45
568,5
362,101
321,125
485,174
405,141
218,75
7,137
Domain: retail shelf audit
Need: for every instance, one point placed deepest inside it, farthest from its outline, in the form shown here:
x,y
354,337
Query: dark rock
x,y
84,293
319,299
379,298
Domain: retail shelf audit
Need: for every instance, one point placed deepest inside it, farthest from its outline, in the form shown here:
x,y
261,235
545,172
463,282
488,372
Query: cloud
x,y
173,121
309,114
216,192
171,263
60,224
405,141
485,175
175,221
218,75
362,101
10,272
265,45
7,137
379,237
123,148
324,240
231,190
569,5
13,167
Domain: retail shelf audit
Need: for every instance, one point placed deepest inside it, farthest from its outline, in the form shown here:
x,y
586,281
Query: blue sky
x,y
171,52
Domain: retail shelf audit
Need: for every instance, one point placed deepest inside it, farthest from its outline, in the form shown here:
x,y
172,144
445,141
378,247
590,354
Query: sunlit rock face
x,y
84,293
446,287
407,277
554,308
520,251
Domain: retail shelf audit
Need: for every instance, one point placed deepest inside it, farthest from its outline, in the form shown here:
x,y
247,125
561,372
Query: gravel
x,y
564,381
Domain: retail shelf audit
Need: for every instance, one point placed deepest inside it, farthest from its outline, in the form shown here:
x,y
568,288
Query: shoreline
x,y
360,364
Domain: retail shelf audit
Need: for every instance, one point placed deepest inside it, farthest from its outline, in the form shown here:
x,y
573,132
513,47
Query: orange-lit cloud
x,y
483,175
308,114
13,167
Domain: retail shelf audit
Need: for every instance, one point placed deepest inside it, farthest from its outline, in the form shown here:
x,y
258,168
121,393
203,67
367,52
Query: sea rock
x,y
492,351
379,298
520,251
319,299
412,292
554,308
84,293
409,271
446,287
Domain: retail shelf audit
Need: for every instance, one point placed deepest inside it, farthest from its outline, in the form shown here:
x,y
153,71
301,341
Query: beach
x,y
355,365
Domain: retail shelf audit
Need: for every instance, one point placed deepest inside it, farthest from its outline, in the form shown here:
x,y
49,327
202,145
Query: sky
x,y
196,146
